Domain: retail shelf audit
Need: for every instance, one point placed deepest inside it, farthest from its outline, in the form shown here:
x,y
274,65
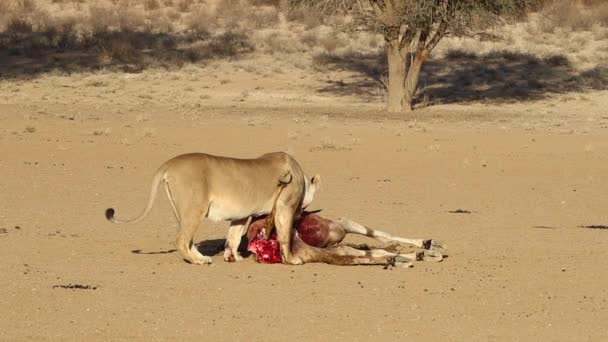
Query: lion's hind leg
x,y
184,242
190,210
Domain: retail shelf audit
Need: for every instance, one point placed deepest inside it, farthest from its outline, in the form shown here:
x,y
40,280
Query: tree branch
x,y
379,12
390,8
421,44
440,33
406,36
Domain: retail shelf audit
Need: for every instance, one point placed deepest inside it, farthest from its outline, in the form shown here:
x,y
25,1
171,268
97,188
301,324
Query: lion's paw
x,y
293,261
202,260
232,257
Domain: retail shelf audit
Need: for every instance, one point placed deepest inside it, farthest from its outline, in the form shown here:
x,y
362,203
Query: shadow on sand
x,y
460,77
27,54
206,247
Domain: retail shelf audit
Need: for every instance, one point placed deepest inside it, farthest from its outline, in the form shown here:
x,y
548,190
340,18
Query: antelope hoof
x,y
429,255
435,245
402,262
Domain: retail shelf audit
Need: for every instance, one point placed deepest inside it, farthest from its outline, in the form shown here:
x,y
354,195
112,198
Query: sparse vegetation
x,y
574,16
68,36
94,93
151,5
413,28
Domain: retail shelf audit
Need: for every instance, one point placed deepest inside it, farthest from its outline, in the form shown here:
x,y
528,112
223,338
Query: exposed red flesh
x,y
311,229
266,251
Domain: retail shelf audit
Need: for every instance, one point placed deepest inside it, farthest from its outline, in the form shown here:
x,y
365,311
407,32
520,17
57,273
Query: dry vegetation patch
x,y
562,48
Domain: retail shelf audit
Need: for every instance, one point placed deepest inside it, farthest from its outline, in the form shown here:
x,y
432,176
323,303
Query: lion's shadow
x,y
206,247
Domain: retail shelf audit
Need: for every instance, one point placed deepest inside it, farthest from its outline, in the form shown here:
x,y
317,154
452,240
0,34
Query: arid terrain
x,y
505,159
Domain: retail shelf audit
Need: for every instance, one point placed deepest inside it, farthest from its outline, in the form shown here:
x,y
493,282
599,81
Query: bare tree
x,y
412,29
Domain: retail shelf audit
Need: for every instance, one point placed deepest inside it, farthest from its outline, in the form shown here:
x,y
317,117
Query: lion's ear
x,y
316,180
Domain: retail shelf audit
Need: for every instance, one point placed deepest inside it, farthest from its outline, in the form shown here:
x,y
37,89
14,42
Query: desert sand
x,y
519,266
506,179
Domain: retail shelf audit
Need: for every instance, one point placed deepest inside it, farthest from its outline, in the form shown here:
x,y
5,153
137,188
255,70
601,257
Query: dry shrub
x,y
278,43
459,54
557,60
601,14
121,48
592,3
231,15
261,17
26,5
130,19
273,3
173,15
17,25
305,16
226,45
102,18
4,14
16,12
232,12
61,36
139,48
570,14
158,22
201,22
67,37
184,5
33,48
512,57
124,34
229,44
309,38
151,5
330,43
595,78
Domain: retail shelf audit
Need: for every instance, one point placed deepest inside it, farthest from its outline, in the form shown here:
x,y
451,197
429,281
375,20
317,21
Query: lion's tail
x,y
158,178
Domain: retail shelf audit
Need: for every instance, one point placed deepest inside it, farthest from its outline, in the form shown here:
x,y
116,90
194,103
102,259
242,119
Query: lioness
x,y
200,185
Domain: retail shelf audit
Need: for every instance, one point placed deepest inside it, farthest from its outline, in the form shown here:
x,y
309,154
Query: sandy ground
x,y
520,266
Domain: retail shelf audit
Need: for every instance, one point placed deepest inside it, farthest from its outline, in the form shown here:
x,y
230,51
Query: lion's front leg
x,y
233,240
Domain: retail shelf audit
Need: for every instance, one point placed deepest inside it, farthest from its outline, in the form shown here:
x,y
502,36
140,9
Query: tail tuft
x,y
110,214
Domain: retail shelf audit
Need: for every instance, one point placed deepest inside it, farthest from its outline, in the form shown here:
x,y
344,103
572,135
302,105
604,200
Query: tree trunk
x,y
411,81
396,77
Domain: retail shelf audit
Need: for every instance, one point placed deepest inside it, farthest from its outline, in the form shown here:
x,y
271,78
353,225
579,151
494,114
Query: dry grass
x,y
185,28
304,16
62,36
574,16
129,36
151,5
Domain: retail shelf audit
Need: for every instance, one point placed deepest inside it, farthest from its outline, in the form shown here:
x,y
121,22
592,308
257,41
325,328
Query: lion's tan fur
x,y
229,189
